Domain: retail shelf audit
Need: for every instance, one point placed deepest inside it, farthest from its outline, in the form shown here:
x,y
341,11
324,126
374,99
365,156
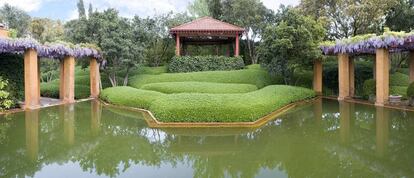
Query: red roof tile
x,y
207,24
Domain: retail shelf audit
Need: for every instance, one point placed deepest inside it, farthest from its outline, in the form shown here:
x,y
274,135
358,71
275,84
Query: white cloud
x,y
26,5
274,4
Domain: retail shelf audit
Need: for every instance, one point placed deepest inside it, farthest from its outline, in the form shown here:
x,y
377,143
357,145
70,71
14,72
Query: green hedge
x,y
12,70
204,63
410,90
199,87
128,96
260,78
197,107
399,79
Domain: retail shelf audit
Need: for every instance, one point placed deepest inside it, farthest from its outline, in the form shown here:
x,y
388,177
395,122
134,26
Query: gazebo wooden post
x,y
228,50
31,79
317,76
67,79
411,66
382,75
343,76
177,45
351,77
94,77
236,50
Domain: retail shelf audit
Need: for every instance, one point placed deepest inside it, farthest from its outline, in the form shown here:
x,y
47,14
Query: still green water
x,y
322,139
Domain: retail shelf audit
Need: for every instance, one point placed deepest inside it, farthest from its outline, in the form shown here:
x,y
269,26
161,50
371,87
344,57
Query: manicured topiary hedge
x,y
199,87
199,107
204,63
260,78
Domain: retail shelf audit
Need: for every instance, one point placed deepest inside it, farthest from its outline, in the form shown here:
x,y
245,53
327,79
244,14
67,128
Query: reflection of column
x,y
67,112
96,113
317,110
344,121
32,134
382,130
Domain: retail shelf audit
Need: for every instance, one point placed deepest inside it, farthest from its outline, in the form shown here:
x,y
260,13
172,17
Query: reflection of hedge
x,y
204,63
12,69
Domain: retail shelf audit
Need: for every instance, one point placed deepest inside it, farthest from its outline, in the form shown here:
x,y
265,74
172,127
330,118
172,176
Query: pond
x,y
321,139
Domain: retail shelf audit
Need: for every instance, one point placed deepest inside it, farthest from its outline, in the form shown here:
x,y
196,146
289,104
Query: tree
x,y
81,9
199,8
90,10
215,8
15,18
400,16
46,30
254,19
346,18
291,44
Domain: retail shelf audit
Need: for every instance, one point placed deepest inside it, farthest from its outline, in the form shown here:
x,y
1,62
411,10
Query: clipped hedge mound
x,y
260,78
204,63
198,107
199,87
128,96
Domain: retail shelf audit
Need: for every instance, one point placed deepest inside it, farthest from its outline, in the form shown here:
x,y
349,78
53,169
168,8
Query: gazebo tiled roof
x,y
207,24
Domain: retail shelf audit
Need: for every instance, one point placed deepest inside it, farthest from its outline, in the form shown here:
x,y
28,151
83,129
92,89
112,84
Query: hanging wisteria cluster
x,y
367,44
53,51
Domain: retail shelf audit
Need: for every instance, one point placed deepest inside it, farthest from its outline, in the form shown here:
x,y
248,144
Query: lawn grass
x,y
199,87
199,107
260,78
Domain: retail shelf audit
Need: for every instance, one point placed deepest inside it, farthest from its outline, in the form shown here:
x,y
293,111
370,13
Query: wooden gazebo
x,y
207,31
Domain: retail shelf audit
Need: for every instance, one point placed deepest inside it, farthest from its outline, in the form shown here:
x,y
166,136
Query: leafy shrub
x,y
410,90
199,87
199,107
260,78
12,70
204,63
399,90
399,79
5,101
369,88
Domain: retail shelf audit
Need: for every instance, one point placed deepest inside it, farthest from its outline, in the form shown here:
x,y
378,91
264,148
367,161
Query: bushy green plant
x,y
410,90
260,78
199,87
369,88
5,101
204,63
201,107
399,79
12,70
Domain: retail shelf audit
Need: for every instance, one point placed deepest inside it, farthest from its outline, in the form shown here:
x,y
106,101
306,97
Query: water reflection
x,y
382,130
323,139
32,133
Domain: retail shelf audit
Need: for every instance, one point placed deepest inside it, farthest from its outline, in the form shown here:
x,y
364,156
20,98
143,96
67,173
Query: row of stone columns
x,y
346,75
67,79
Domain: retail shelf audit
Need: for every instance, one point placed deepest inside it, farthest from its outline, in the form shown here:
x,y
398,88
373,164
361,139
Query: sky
x,y
67,10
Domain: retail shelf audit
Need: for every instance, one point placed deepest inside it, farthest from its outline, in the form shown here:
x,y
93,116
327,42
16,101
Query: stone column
x,y
177,45
61,79
351,77
31,80
382,75
32,133
68,80
317,76
411,67
382,130
343,76
94,77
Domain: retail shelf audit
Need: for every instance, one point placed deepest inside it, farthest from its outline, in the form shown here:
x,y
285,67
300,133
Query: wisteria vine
x,y
53,51
367,44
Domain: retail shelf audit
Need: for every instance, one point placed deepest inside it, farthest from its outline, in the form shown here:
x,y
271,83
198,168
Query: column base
x,y
379,104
